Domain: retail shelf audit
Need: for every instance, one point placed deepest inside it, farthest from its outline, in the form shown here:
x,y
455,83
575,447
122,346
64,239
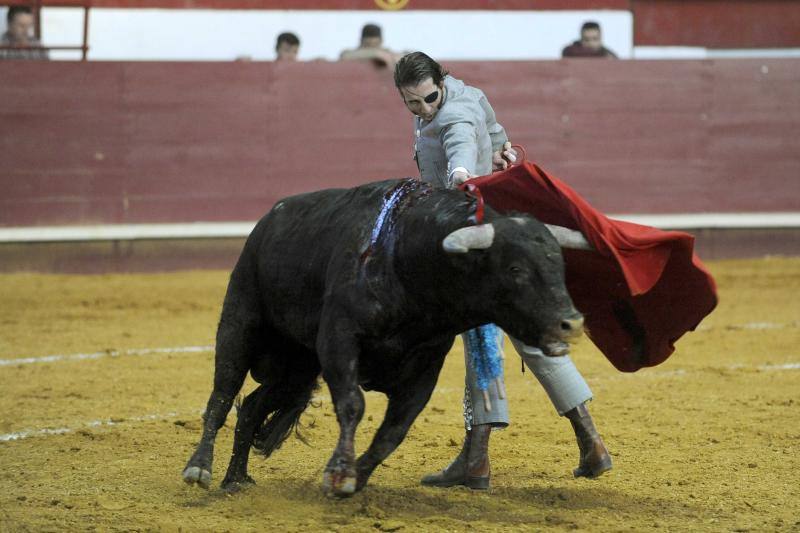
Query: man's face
x,y
424,98
371,42
287,52
591,39
21,27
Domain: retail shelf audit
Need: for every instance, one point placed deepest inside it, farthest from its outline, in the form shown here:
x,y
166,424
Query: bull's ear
x,y
463,240
569,238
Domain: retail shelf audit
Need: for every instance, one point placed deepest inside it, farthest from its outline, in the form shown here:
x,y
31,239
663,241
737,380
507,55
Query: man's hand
x,y
501,158
459,177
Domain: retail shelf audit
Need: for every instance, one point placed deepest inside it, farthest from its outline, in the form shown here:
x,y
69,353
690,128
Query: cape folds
x,y
642,288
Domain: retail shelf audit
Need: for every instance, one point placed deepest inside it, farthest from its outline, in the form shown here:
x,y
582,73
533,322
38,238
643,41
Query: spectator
x,y
371,49
19,35
287,46
590,44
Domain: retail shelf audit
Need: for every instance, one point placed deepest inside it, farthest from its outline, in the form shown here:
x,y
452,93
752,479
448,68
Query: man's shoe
x,y
478,468
455,473
471,467
595,459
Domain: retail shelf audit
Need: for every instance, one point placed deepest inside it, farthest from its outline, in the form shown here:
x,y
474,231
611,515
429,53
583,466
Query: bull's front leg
x,y
405,404
339,360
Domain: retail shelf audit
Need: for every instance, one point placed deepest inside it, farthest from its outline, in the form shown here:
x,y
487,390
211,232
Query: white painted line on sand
x,y
764,325
786,366
749,325
652,373
43,432
99,355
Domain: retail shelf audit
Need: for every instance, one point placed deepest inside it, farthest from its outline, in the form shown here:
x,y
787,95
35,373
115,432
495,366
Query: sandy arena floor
x,y
96,438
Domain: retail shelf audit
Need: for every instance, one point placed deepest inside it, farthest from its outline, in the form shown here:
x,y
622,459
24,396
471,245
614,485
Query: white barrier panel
x,y
224,35
212,230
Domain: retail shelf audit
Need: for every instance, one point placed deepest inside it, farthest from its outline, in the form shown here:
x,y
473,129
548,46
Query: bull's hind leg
x,y
277,405
231,367
238,343
252,412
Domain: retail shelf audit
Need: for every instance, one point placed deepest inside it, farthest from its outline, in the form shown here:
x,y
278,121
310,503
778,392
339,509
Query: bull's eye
x,y
515,270
538,240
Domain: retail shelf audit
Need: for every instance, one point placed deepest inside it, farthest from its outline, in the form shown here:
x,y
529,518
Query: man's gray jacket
x,y
463,134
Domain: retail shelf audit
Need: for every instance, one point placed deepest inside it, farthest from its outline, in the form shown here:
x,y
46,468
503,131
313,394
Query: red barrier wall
x,y
717,23
85,143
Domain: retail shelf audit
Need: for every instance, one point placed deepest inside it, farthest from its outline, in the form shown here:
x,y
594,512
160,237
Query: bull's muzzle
x,y
556,343
571,327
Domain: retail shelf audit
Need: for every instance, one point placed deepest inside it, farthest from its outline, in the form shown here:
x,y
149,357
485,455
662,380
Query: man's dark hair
x,y
416,67
13,11
590,25
287,37
371,30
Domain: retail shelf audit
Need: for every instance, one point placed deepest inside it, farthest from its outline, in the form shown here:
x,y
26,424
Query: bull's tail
x,y
278,424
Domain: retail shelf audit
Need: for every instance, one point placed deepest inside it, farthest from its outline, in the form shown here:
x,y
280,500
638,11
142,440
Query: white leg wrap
x,y
558,375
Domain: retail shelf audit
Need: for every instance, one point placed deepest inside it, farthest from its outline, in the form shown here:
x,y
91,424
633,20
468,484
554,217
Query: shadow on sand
x,y
566,505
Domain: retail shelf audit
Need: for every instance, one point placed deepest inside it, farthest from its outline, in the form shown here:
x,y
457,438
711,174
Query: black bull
x,y
369,286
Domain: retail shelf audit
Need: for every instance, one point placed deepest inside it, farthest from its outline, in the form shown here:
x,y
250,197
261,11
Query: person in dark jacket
x,y
590,43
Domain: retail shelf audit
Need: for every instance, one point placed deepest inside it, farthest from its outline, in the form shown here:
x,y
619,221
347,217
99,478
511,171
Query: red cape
x,y
639,292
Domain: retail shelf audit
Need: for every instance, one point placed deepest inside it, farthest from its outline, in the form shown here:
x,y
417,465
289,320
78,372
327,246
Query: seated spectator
x,y
371,49
287,46
590,44
19,36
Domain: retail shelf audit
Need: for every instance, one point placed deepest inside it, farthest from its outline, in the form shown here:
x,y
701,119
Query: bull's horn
x,y
569,238
463,240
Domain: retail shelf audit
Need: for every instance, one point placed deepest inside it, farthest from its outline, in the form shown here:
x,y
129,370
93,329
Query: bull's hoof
x,y
361,482
339,484
195,474
232,486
